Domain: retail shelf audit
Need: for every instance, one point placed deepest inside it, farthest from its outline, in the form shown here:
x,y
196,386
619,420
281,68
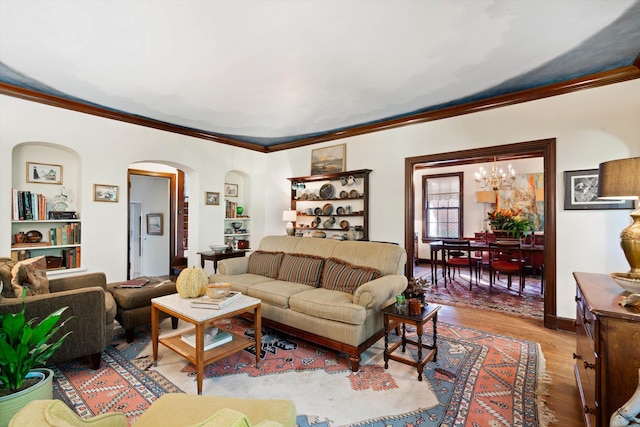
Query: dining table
x,y
437,247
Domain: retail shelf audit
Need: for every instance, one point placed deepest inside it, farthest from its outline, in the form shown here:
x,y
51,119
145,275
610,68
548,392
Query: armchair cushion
x,y
56,413
6,265
31,274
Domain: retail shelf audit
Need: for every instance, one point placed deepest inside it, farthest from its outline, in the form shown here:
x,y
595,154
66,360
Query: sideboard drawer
x,y
585,370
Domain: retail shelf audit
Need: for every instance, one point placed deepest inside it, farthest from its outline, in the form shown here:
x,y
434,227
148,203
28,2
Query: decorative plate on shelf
x,y
340,210
344,224
353,194
344,194
326,191
327,209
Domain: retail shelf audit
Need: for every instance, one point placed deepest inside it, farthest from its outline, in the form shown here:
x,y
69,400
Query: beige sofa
x,y
348,320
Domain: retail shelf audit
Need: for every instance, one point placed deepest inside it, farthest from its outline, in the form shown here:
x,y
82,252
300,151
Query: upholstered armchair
x,y
89,302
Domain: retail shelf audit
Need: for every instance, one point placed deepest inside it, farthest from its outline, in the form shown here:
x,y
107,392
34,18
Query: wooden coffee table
x,y
176,306
393,314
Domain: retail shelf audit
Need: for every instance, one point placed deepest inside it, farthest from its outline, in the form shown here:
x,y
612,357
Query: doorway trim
x,y
172,212
545,148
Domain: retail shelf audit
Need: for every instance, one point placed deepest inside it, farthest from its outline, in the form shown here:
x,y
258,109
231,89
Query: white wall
x,y
590,126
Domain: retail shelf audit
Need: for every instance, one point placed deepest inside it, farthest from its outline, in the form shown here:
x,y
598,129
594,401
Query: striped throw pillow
x,y
265,263
338,275
301,269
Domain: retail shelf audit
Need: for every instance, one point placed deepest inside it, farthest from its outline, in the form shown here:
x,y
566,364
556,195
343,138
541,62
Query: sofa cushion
x,y
276,292
341,276
301,269
328,304
225,418
31,274
265,264
6,265
239,282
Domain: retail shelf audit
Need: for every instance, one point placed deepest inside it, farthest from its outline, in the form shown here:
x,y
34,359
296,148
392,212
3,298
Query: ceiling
x,y
274,74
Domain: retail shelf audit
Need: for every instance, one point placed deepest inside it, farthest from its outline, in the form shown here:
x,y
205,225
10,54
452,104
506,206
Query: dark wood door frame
x,y
545,148
172,212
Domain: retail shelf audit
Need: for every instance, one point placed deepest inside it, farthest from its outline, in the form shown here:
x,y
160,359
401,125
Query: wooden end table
x,y
216,256
427,313
176,306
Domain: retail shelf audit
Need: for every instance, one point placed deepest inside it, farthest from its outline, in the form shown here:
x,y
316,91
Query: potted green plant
x,y
24,346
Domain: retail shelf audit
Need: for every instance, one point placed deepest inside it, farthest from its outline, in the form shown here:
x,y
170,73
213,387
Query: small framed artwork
x,y
211,198
581,192
44,173
154,224
231,190
328,159
105,193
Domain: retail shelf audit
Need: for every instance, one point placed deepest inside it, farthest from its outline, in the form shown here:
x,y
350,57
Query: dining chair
x,y
506,257
457,254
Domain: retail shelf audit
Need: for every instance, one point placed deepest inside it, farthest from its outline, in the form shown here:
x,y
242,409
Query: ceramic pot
x,y
12,403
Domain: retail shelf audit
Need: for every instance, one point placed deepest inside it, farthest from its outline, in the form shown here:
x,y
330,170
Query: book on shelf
x,y
212,338
215,304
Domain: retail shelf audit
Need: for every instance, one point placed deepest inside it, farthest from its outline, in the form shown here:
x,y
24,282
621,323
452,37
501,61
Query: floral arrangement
x,y
509,220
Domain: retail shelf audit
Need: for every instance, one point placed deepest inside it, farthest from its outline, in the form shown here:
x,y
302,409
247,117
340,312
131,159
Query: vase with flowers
x,y
511,221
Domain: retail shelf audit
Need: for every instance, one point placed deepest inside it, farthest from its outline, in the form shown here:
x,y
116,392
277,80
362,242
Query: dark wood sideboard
x,y
607,356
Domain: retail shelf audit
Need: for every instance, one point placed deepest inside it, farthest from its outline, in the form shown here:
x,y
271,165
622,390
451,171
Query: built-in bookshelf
x,y
40,227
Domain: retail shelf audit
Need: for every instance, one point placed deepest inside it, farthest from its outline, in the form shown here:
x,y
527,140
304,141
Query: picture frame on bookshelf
x,y
154,224
230,190
105,193
44,173
211,198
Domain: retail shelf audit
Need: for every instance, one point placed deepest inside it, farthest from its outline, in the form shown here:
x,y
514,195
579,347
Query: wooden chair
x,y
506,257
457,254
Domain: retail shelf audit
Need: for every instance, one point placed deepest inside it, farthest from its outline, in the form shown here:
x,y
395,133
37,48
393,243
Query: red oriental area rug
x,y
479,379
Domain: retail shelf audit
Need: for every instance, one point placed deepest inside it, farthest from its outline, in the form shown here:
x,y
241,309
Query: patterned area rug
x,y
119,385
501,299
479,379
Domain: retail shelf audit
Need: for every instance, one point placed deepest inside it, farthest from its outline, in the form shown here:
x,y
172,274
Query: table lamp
x,y
620,180
485,197
290,217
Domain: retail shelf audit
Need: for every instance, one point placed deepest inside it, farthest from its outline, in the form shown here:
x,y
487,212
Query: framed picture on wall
x,y
328,159
231,190
44,173
105,193
581,192
154,224
211,198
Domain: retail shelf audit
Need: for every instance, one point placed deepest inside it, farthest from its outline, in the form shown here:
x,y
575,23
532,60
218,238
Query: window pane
x,y
442,206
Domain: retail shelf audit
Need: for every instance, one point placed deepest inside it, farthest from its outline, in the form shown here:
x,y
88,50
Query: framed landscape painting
x,y
581,192
328,159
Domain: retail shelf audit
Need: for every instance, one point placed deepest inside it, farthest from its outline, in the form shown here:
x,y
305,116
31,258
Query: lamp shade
x,y
289,216
485,196
619,179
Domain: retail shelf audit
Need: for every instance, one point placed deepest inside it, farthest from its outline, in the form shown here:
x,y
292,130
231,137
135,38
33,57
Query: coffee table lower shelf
x,y
176,344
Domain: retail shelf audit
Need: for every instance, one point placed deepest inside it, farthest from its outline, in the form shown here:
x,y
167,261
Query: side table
x,y
216,256
427,313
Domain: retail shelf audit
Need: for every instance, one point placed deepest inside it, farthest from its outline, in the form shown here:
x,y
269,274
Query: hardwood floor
x,y
557,347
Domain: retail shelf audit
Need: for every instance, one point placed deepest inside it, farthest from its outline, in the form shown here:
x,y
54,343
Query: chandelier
x,y
497,180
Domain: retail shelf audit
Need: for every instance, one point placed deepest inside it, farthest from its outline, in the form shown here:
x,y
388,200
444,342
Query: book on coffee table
x,y
212,338
215,304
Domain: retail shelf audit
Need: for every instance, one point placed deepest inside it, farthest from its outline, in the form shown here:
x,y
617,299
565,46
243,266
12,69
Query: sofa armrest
x,y
233,266
87,305
380,292
78,282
